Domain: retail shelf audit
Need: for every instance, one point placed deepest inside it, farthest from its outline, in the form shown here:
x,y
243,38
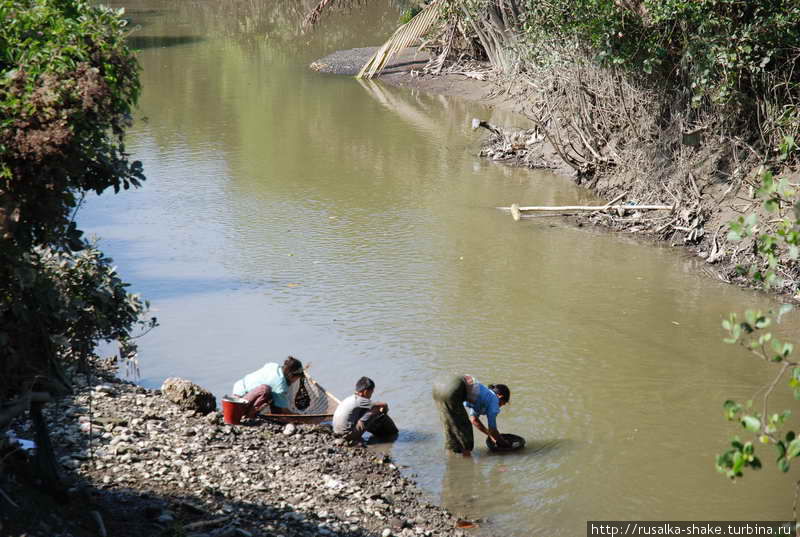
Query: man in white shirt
x,y
358,414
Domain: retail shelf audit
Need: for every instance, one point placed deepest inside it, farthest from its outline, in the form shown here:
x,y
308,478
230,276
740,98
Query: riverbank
x,y
692,183
136,464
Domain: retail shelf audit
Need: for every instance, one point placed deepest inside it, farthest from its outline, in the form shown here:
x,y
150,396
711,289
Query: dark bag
x,y
302,400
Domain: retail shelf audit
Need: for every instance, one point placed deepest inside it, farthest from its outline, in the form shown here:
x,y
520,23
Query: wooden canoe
x,y
322,404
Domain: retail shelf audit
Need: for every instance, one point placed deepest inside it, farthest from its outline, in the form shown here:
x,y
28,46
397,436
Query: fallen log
x,y
582,208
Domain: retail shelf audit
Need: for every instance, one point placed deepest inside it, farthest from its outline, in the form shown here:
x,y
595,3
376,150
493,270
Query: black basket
x,y
517,443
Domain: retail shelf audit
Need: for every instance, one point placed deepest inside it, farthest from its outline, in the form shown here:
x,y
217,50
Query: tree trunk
x,y
45,459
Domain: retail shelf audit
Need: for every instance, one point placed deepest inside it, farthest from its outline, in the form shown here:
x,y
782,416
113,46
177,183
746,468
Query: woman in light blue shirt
x,y
268,386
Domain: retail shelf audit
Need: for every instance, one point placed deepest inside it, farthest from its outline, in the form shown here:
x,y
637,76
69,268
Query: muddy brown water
x,y
353,226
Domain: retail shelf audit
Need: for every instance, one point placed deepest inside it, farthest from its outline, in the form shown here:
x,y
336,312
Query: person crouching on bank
x,y
268,386
358,414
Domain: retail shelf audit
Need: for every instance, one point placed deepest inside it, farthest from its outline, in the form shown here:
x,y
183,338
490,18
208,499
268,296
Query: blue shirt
x,y
487,404
271,375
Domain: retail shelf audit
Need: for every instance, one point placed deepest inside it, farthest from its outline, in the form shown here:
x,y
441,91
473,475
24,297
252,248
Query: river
x,y
290,212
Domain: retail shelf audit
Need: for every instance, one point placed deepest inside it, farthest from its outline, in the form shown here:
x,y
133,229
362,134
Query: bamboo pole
x,y
567,208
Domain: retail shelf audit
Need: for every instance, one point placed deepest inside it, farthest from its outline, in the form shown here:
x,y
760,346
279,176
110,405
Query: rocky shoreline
x,y
138,464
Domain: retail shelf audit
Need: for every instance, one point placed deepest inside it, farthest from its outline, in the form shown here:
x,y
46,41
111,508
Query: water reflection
x,y
145,42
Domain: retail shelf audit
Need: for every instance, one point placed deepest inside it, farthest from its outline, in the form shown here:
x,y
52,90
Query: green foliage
x,y
737,458
67,87
719,47
776,240
750,332
409,14
68,84
93,301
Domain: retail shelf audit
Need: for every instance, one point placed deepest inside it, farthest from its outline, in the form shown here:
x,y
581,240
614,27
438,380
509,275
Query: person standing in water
x,y
462,400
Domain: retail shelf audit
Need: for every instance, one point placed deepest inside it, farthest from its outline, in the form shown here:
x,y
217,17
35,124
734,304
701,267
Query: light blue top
x,y
486,404
271,375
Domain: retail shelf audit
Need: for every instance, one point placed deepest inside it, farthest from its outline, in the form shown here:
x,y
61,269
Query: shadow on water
x,y
177,288
404,66
144,12
403,437
143,42
413,437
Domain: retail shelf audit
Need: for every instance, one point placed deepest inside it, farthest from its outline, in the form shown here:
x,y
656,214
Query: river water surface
x,y
353,226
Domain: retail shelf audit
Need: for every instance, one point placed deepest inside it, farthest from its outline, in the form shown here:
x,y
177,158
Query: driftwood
x,y
582,208
516,214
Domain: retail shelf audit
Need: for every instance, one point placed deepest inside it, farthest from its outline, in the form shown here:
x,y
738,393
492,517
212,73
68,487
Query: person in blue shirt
x,y
462,400
269,386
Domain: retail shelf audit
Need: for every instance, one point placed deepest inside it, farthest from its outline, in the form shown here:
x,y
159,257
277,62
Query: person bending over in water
x,y
357,414
269,386
461,400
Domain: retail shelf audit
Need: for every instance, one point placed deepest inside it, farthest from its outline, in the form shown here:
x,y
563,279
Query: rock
x,y
188,395
386,532
214,418
290,429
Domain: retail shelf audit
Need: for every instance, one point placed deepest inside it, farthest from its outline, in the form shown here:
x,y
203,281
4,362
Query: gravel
x,y
144,466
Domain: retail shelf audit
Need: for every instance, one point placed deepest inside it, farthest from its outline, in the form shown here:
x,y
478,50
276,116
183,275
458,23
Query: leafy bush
x,y
68,84
775,251
94,303
718,47
742,57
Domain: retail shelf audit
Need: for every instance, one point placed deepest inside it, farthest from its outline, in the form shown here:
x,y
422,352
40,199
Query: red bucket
x,y
233,409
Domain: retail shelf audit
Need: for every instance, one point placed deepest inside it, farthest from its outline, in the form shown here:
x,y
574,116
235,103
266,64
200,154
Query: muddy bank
x,y
138,465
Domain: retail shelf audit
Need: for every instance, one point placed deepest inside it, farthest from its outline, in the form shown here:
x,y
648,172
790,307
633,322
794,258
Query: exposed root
x,y
616,137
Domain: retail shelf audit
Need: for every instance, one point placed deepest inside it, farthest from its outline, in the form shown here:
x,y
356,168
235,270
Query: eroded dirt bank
x,y
138,465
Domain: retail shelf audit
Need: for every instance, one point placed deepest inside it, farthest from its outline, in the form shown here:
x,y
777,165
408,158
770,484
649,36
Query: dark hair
x,y
292,366
502,391
365,383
